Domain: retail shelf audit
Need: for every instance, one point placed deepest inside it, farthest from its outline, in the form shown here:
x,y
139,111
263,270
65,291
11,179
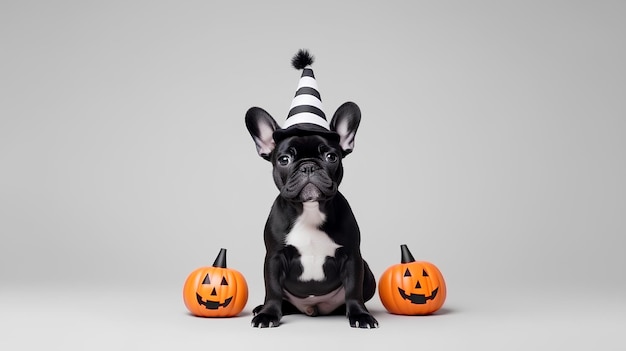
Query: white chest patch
x,y
313,244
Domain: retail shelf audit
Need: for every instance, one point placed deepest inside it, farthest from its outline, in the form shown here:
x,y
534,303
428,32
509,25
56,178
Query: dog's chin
x,y
310,193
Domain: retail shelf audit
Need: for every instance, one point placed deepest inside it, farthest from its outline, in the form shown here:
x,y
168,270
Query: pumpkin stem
x,y
220,260
406,254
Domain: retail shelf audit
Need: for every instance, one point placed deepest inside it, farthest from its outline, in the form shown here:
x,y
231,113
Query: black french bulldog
x,y
313,262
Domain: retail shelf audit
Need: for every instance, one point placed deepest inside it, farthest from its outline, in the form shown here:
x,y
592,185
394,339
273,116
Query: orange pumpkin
x,y
412,287
215,291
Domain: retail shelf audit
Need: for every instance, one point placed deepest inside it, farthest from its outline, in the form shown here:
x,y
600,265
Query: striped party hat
x,y
306,114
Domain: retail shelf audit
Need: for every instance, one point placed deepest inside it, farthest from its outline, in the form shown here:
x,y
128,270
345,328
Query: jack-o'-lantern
x,y
215,291
412,287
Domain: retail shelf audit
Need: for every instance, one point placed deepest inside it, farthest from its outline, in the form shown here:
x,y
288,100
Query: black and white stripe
x,y
306,106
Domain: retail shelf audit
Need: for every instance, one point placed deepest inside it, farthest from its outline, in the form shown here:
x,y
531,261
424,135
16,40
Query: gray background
x,y
492,143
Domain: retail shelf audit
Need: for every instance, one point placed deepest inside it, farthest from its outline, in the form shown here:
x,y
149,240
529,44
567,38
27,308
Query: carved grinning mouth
x,y
213,305
418,299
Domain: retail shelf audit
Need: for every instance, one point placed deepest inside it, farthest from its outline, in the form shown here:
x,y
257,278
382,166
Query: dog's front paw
x,y
265,320
363,320
256,310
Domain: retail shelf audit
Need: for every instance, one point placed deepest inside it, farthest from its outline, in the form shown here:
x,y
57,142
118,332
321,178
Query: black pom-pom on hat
x,y
302,59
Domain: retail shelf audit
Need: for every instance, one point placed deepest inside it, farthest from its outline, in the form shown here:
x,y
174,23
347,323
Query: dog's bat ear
x,y
345,122
261,127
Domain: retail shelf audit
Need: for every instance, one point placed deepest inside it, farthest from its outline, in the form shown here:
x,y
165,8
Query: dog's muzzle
x,y
308,182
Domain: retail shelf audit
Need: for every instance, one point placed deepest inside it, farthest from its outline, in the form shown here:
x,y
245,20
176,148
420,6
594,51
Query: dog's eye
x,y
284,160
332,157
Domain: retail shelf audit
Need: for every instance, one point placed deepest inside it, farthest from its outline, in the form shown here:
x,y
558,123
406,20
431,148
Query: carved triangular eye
x,y
224,282
407,273
424,274
206,280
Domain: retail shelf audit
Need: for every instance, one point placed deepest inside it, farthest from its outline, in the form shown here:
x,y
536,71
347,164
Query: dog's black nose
x,y
309,168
